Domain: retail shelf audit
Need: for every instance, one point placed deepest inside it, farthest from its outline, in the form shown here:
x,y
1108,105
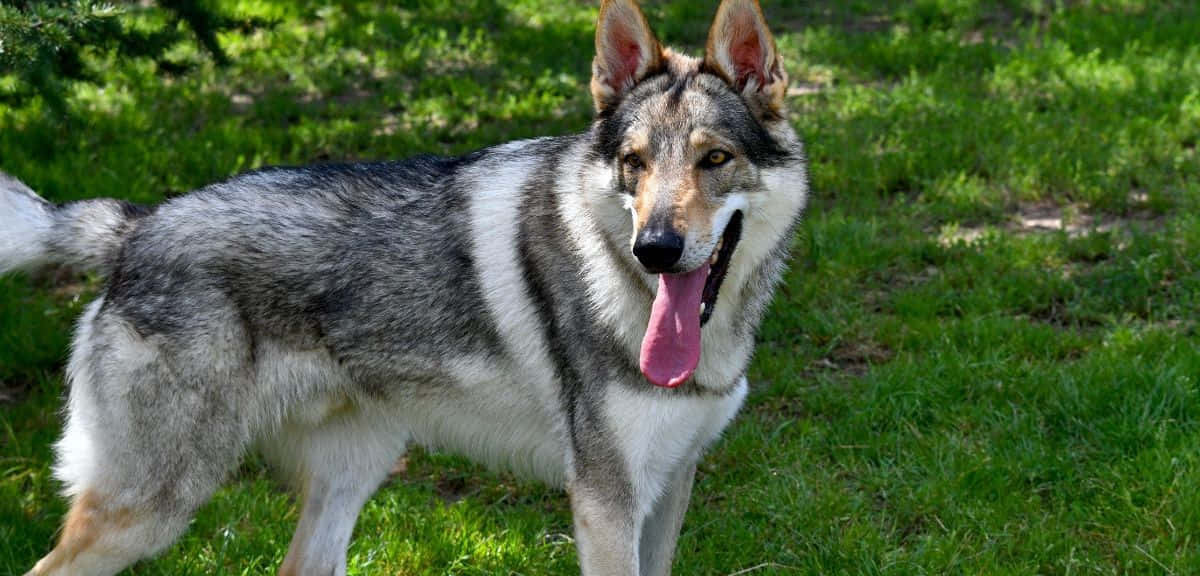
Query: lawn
x,y
985,358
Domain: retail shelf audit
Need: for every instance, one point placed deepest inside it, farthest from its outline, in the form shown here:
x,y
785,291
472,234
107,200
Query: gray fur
x,y
354,259
82,234
329,316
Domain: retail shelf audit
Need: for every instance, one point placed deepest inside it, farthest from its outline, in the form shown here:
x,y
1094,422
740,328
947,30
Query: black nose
x,y
658,249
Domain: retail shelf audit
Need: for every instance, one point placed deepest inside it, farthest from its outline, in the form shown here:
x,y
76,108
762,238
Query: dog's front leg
x,y
606,528
660,532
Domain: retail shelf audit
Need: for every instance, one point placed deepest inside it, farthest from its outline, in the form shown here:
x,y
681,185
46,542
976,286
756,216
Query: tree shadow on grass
x,y
369,82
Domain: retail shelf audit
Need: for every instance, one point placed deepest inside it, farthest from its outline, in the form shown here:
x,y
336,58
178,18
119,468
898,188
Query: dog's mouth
x,y
719,266
684,302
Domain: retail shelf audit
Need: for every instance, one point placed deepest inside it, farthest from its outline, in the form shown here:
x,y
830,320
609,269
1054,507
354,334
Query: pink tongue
x,y
671,349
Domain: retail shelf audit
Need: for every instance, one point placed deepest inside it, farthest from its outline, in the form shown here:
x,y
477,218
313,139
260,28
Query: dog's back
x,y
369,261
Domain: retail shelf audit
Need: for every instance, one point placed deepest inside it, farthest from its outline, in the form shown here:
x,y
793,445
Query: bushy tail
x,y
83,234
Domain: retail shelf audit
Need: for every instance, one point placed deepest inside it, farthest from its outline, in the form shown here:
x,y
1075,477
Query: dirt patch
x,y
450,483
834,14
449,486
241,103
1077,221
781,408
1057,314
913,529
61,281
1050,217
1044,217
852,359
857,357
453,488
13,391
400,469
969,235
805,89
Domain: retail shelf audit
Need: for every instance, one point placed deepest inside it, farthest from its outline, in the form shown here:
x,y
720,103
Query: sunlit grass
x,y
983,361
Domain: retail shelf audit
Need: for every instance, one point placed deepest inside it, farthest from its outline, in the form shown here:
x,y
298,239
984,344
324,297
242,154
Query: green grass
x,y
943,386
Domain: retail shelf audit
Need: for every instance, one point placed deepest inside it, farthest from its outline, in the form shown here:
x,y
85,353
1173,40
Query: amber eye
x,y
634,161
716,158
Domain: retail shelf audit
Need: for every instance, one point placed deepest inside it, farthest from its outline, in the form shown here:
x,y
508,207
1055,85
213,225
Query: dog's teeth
x,y
703,307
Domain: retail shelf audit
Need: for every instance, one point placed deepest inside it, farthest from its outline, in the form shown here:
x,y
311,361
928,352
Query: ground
x,y
984,360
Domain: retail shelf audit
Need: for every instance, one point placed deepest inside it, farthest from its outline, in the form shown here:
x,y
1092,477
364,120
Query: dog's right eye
x,y
715,159
633,161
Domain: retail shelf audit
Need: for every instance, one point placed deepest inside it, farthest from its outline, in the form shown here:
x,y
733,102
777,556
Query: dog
x,y
581,309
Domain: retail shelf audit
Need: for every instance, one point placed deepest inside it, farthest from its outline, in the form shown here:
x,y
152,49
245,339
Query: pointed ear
x,y
626,52
741,50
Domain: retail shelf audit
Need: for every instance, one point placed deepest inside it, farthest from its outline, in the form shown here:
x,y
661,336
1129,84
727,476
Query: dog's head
x,y
691,145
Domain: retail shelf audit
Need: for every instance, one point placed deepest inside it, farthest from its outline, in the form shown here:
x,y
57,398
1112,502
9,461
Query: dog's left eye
x,y
716,158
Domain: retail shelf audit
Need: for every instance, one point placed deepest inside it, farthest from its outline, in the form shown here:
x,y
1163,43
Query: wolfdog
x,y
581,309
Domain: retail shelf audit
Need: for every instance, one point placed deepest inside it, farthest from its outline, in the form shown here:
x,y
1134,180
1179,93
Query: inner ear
x,y
626,54
749,59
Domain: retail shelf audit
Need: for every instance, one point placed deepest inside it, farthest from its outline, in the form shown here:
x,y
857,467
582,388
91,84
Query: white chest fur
x,y
657,432
499,422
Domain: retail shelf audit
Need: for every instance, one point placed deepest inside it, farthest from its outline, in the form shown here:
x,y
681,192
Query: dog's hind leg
x,y
154,425
337,465
101,537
